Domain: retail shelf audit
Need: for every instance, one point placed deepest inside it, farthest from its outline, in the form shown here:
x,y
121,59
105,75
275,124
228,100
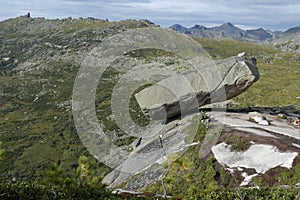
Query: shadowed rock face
x,y
210,83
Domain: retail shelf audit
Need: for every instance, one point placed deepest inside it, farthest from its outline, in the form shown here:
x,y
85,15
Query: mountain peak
x,y
198,27
228,25
179,28
293,30
230,31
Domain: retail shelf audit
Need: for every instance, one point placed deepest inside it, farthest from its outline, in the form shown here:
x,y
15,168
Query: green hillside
x,y
279,73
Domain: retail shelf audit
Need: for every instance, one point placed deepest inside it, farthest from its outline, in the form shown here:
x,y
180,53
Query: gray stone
x,y
264,122
282,116
209,83
144,165
258,118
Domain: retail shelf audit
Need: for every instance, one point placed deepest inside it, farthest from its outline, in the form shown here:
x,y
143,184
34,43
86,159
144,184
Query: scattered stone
x,y
298,98
264,122
284,187
282,116
247,179
134,194
241,54
14,180
258,118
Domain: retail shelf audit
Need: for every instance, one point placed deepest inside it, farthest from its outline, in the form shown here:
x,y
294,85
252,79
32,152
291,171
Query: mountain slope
x,y
228,31
39,61
286,41
289,40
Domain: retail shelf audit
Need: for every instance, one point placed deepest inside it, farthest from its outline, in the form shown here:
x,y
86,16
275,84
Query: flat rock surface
x,y
272,146
239,121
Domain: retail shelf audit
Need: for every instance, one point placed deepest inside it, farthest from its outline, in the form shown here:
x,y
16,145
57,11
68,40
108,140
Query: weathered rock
x,y
146,163
258,118
212,82
282,116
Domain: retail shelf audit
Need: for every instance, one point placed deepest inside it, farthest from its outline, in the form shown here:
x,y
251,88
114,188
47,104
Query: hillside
x,y
227,31
289,40
39,61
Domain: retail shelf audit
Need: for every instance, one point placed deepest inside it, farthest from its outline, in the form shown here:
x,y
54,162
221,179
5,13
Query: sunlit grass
x,y
279,73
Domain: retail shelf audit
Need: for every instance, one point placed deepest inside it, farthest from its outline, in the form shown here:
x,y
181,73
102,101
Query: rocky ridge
x,y
286,41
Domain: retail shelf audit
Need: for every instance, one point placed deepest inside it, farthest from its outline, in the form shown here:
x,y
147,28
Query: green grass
x,y
279,73
223,48
278,85
238,143
35,129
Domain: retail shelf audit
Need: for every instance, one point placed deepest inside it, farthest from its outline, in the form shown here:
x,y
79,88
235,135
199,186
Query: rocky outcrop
x,y
258,118
270,146
161,145
228,31
183,93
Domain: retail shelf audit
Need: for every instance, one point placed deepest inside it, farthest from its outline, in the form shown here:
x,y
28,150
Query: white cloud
x,y
251,13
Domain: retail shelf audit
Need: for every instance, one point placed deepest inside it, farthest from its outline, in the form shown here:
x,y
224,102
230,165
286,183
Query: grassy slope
x,y
36,122
279,73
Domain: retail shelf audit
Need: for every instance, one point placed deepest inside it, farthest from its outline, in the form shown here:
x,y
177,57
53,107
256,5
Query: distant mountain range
x,y
288,40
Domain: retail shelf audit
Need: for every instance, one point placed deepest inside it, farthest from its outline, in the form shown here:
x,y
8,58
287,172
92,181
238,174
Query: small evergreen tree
x,y
2,152
56,176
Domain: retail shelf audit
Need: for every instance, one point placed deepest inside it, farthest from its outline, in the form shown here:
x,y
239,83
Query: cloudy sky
x,y
270,14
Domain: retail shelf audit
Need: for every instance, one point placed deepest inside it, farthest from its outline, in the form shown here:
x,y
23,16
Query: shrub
x,y
238,143
35,191
1,152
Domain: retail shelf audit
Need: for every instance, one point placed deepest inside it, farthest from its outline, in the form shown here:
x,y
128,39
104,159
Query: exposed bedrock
x,y
214,82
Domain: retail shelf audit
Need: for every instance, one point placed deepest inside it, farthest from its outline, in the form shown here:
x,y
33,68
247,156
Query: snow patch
x,y
259,156
247,178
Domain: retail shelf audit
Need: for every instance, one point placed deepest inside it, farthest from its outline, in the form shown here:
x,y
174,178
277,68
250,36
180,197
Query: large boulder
x,y
213,82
